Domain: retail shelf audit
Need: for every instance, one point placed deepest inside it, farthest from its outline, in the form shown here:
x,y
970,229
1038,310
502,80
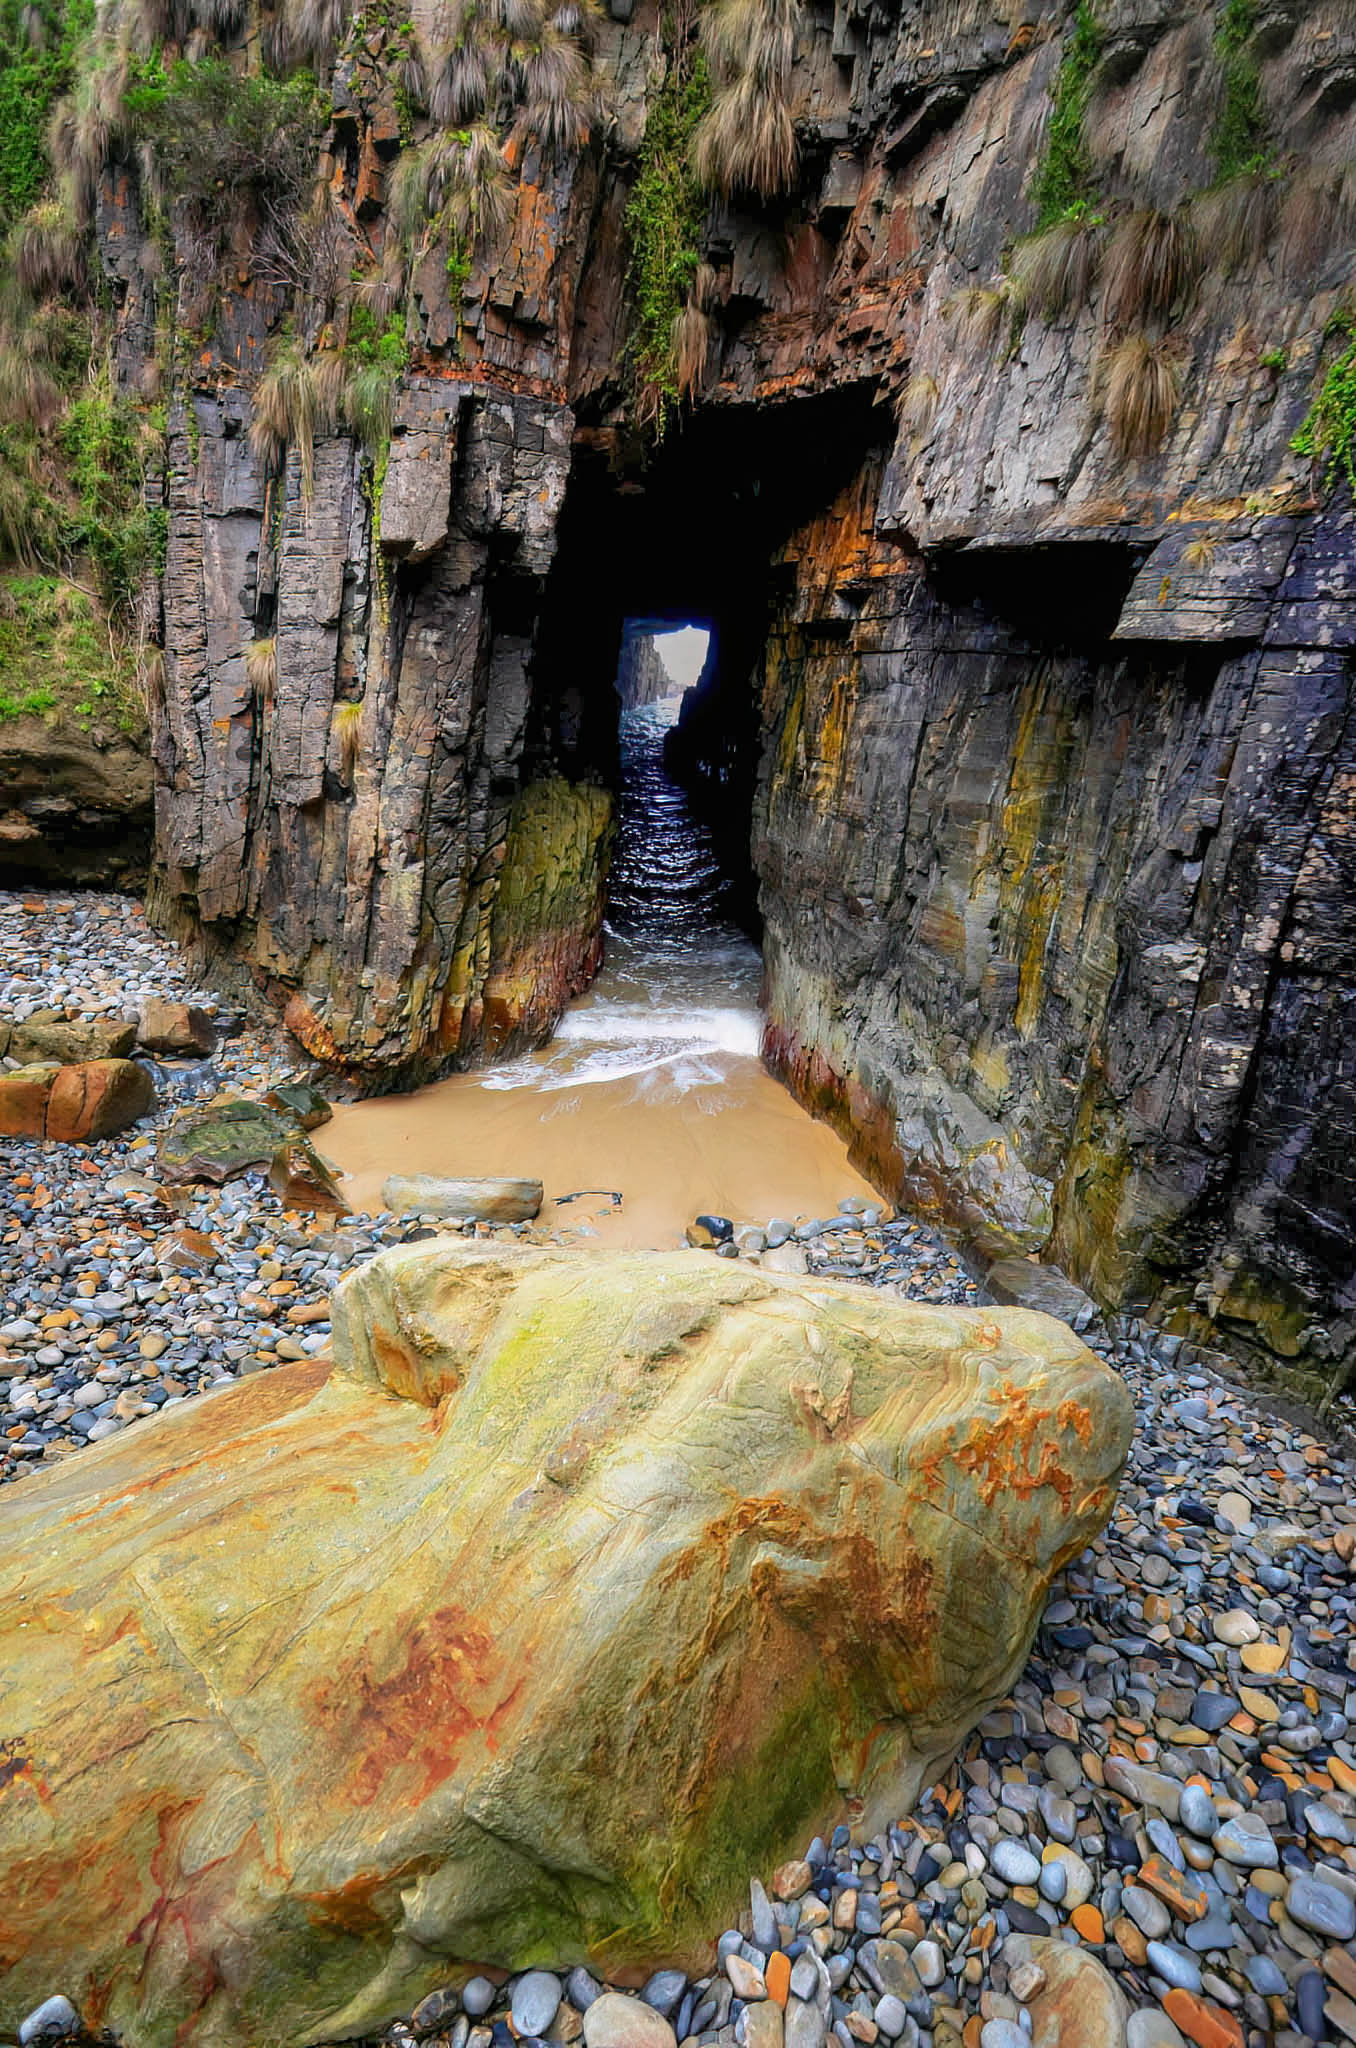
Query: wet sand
x,y
738,1146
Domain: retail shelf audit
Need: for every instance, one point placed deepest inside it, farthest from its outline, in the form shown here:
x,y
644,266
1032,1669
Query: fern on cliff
x,y
1239,140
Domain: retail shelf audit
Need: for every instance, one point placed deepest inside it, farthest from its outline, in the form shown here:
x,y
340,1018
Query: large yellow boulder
x,y
580,1587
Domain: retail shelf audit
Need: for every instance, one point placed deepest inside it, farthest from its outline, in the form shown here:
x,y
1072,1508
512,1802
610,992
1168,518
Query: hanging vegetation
x,y
664,222
1138,384
1328,433
746,139
1064,181
1052,273
1153,262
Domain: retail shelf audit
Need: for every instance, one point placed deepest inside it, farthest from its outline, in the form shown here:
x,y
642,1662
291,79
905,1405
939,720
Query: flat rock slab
x,y
578,1586
1025,1285
468,1201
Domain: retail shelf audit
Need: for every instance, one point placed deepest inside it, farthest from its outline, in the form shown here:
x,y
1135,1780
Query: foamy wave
x,y
726,1030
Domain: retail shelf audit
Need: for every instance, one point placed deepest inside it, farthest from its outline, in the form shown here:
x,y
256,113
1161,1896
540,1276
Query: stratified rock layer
x,y
580,1587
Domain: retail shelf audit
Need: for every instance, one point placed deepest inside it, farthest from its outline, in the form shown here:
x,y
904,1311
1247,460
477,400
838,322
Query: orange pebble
x,y
1209,2026
778,1976
1088,1922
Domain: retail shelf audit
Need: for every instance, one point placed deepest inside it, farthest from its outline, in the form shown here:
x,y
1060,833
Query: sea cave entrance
x,y
647,673
667,573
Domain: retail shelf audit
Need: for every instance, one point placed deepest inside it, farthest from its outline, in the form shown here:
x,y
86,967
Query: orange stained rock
x,y
1159,1876
778,1976
1339,1966
1209,2026
1343,1776
1088,1923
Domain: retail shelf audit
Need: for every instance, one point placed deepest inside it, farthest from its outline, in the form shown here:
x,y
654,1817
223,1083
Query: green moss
x,y
664,221
1238,141
1063,183
1328,432
56,657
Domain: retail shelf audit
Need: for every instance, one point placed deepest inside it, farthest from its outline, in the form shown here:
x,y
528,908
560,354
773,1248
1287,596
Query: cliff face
x,y
1054,758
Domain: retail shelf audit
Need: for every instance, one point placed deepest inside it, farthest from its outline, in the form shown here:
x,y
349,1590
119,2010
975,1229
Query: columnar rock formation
x,y
1054,756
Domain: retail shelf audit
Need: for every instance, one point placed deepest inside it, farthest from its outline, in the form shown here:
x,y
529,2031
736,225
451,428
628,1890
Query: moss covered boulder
x,y
219,1139
580,1586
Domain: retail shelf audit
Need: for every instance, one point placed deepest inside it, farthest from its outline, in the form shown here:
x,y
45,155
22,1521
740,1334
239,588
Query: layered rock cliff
x,y
1033,626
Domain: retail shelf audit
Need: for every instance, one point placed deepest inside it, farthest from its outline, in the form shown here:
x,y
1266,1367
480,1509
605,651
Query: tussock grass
x,y
977,314
916,406
746,141
47,251
1152,265
1138,386
1235,221
294,401
1053,273
459,178
557,94
348,721
690,342
1317,216
261,668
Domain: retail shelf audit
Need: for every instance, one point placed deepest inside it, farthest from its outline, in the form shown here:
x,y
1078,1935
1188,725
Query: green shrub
x,y
1063,177
233,149
1238,141
38,44
1328,432
103,442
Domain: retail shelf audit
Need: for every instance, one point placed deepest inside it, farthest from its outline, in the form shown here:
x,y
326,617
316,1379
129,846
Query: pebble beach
x,y
1170,1791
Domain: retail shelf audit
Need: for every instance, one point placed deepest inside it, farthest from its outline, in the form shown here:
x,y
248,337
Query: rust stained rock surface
x,y
577,1588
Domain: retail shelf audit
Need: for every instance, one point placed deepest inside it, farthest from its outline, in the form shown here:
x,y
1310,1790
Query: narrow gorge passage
x,y
652,1085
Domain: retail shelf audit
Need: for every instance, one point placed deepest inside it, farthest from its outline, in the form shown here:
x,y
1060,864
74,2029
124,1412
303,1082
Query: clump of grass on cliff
x,y
1328,433
664,222
746,140
1152,266
1138,386
1064,178
1053,272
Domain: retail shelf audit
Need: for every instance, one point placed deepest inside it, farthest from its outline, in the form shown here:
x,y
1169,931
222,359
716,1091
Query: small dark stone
x,y
720,1227
1310,1998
